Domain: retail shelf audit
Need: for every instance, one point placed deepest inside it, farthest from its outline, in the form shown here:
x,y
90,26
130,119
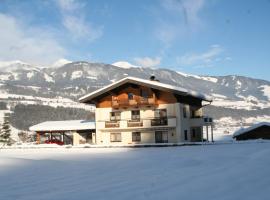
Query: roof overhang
x,y
148,83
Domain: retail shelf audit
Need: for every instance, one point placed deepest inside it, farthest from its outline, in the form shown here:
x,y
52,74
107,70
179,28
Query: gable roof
x,y
245,130
70,125
148,83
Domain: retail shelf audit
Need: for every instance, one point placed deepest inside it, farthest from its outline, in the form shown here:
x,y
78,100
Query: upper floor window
x,y
130,96
135,115
195,113
144,93
185,112
115,116
160,113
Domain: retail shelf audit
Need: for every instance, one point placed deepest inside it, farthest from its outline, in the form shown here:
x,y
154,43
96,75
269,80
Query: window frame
x,y
115,137
135,117
135,137
114,117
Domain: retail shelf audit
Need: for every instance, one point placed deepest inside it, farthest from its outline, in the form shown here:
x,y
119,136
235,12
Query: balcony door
x,y
161,136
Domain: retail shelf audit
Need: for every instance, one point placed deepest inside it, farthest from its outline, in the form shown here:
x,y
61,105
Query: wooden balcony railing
x,y
137,101
112,124
132,123
162,121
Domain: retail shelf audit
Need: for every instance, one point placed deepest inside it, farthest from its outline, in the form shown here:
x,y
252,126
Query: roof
x,y
63,125
245,130
148,83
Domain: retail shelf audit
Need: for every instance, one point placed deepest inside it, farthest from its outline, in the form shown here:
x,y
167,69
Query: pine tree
x,y
5,131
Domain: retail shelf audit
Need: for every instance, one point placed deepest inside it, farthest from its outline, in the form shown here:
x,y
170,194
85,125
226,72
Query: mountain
x,y
63,85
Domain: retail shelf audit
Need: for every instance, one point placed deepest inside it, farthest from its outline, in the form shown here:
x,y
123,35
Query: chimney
x,y
153,78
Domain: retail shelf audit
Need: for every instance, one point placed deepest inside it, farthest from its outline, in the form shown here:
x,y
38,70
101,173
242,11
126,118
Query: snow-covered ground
x,y
222,171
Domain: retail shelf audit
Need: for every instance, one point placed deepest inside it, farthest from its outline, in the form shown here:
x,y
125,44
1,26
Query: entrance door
x,y
161,136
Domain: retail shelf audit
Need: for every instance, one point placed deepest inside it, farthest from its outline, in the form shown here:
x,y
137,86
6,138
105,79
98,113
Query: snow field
x,y
230,171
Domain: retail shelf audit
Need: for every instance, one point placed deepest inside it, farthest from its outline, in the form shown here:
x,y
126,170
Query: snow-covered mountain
x,y
65,83
77,78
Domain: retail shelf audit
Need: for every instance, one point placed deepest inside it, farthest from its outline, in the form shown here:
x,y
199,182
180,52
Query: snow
x,y
238,85
30,74
92,77
61,62
48,78
68,125
220,172
76,74
4,77
266,90
4,64
208,78
124,65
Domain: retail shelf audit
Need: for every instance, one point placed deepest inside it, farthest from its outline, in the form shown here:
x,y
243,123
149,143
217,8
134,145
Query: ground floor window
x,y
161,136
116,137
136,137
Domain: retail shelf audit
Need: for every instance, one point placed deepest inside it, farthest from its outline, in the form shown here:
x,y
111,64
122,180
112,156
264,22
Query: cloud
x,y
26,43
178,18
201,59
74,21
147,61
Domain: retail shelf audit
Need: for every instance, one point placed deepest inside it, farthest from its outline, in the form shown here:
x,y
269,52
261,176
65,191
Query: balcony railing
x,y
132,123
162,121
137,101
112,124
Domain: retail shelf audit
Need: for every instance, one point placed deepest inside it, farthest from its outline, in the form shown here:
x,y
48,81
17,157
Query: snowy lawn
x,y
228,171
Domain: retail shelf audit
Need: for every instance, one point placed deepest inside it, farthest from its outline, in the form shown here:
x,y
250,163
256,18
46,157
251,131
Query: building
x,y
65,132
257,131
139,111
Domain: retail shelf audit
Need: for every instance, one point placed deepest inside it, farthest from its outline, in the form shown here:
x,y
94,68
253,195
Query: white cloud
x,y
147,61
32,45
74,21
201,59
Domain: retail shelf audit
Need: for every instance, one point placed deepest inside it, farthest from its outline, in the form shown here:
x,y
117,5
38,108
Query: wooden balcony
x,y
162,121
112,124
137,101
132,123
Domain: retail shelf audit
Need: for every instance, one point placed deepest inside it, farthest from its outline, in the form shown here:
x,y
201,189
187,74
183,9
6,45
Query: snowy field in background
x,y
223,171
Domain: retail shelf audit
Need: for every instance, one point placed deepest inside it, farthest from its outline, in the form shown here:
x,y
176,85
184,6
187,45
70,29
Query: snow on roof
x,y
244,130
149,83
64,125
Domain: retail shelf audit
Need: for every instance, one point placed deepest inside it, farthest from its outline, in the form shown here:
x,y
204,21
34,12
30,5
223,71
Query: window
x,y
135,115
130,96
136,137
186,135
185,112
116,137
115,116
194,132
144,93
159,113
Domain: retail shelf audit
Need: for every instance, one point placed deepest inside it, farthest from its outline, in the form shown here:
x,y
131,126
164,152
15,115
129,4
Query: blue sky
x,y
214,37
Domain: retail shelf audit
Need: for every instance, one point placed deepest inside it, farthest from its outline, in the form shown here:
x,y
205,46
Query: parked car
x,y
54,141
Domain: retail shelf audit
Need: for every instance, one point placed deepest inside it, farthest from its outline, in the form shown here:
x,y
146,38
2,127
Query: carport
x,y
73,132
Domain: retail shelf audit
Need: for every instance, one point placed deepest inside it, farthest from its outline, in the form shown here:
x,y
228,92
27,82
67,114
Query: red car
x,y
54,141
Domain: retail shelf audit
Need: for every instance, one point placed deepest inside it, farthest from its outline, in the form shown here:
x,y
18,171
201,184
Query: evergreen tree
x,y
5,131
